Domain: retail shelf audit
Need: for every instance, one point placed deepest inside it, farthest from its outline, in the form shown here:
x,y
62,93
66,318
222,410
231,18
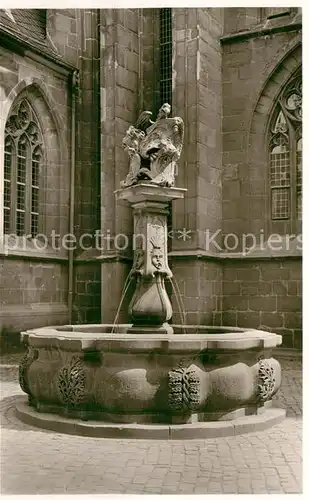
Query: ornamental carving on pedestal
x,y
71,382
266,380
183,389
158,257
139,246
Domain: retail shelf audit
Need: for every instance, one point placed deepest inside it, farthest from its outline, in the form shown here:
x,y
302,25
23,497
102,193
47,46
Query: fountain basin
x,y
208,374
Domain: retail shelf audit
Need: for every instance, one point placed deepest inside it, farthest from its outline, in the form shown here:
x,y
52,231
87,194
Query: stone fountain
x,y
150,378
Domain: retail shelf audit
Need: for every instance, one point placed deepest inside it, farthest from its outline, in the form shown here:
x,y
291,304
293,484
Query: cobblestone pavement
x,y
35,461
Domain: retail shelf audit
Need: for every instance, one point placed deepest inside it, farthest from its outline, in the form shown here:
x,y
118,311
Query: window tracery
x,y
285,153
23,158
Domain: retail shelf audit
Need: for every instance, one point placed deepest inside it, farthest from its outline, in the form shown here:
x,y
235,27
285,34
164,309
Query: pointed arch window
x,y
166,49
285,154
23,159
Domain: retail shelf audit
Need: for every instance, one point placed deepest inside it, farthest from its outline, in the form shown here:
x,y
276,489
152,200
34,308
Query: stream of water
x,y
179,301
124,292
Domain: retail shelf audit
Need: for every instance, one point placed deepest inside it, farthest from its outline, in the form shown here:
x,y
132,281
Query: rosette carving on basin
x,y
71,382
267,380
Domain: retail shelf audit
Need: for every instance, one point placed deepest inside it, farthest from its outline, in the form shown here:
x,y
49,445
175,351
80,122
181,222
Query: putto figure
x,y
154,148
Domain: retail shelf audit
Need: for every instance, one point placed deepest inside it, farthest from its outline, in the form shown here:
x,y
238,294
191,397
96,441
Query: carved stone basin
x,y
207,374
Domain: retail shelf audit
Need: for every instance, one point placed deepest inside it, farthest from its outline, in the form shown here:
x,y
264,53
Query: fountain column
x,y
150,308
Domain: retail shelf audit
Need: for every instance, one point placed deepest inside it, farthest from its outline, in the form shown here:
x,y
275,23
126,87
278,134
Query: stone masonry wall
x,y
34,287
200,292
87,180
197,99
266,295
87,175
75,34
33,294
119,84
87,293
62,30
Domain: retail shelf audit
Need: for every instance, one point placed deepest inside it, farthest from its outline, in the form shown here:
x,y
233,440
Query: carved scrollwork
x,y
71,382
266,380
183,389
157,232
25,362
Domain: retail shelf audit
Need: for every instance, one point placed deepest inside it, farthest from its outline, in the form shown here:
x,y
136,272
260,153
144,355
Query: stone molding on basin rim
x,y
81,339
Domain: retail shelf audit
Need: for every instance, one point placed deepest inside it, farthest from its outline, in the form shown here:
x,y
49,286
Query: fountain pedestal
x,y
150,308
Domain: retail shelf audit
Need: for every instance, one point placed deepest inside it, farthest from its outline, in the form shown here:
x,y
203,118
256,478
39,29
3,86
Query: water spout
x,y
124,292
179,301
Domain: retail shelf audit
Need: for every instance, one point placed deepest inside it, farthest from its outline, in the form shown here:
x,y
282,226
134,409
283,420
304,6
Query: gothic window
x,y
23,157
166,48
285,154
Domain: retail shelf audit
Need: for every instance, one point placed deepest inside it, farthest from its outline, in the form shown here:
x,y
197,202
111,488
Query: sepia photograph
x,y
151,249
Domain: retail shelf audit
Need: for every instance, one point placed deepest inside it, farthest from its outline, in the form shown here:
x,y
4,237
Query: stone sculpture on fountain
x,y
154,148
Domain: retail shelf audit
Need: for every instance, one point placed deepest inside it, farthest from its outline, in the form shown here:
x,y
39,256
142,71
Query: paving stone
x,y
37,461
154,489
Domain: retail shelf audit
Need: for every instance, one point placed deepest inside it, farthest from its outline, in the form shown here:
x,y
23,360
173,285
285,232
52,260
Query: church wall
x,y
120,63
263,292
197,99
227,72
33,283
